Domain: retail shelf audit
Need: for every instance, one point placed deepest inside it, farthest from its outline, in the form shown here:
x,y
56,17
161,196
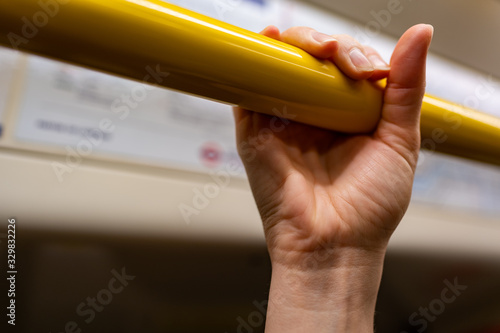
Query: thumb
x,y
399,125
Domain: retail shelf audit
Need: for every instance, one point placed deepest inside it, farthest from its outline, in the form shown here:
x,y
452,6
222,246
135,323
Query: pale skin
x,y
329,202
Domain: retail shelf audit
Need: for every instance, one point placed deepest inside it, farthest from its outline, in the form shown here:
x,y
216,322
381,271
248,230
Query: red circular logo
x,y
211,154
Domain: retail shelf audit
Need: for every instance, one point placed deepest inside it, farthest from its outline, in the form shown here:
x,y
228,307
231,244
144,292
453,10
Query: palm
x,y
315,187
325,187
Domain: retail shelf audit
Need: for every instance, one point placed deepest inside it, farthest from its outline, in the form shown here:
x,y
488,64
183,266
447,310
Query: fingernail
x,y
432,28
322,38
379,63
432,32
360,61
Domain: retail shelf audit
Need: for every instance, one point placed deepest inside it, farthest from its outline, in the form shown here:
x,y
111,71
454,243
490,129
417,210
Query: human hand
x,y
329,201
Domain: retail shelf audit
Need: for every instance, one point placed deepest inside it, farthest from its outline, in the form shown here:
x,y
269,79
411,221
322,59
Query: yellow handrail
x,y
163,44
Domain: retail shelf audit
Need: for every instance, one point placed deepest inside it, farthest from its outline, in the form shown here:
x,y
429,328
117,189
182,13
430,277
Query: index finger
x,y
316,43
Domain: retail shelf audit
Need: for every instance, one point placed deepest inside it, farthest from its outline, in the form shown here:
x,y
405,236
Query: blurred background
x,y
151,226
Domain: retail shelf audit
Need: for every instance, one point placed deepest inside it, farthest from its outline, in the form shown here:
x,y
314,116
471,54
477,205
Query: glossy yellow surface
x,y
203,56
453,129
146,39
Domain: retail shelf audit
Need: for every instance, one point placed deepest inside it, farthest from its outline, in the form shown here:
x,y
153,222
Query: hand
x,y
329,202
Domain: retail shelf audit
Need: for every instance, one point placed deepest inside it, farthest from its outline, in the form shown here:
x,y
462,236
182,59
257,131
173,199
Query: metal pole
x,y
159,43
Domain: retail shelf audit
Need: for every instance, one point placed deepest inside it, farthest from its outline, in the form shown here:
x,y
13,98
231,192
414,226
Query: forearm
x,y
337,294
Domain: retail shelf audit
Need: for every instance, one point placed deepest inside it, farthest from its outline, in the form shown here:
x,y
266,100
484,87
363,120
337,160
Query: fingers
x,y
272,32
381,68
352,58
318,44
400,122
406,81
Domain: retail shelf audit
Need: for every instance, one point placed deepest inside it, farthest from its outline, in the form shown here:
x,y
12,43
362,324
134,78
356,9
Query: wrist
x,y
335,293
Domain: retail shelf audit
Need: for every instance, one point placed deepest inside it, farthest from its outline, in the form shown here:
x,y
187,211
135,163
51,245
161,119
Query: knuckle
x,y
296,30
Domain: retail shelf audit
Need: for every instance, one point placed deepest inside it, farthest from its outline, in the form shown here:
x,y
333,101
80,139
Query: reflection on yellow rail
x,y
460,131
159,43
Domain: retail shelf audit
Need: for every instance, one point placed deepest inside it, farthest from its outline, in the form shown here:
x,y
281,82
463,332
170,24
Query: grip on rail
x,y
146,39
